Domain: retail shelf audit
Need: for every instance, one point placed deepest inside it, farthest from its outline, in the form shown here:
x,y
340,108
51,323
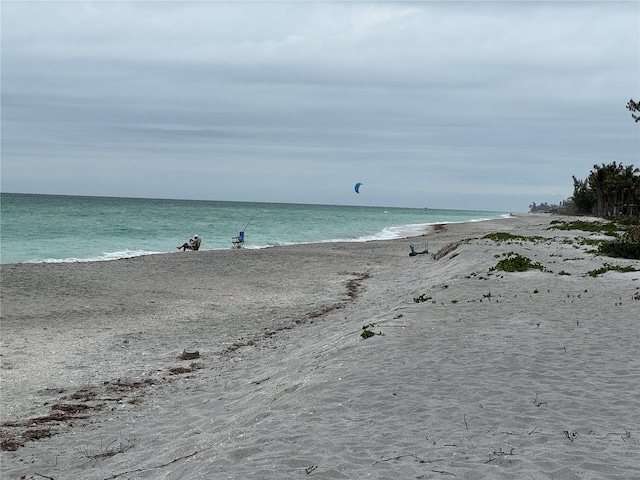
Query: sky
x,y
464,105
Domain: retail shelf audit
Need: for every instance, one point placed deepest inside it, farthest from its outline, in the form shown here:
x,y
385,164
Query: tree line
x,y
610,190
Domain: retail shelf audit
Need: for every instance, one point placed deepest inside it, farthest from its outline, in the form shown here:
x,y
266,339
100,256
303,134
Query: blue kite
x,y
357,187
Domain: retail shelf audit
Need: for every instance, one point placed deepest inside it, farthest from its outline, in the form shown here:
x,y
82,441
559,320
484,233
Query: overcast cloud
x,y
466,105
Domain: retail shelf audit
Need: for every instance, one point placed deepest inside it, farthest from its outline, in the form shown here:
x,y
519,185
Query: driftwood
x,y
443,251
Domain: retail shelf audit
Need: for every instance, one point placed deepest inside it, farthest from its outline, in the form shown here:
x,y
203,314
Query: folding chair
x,y
238,242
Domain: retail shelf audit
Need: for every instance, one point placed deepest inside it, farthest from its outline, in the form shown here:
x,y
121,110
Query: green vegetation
x,y
626,245
609,191
607,267
611,229
514,262
591,242
421,298
366,333
544,207
620,249
505,237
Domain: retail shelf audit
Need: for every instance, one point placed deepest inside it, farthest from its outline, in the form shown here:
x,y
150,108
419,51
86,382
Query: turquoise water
x,y
55,228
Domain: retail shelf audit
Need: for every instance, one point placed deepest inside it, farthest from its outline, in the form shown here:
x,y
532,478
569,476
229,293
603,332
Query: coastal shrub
x,y
629,221
422,298
632,234
514,262
366,333
626,229
504,237
609,228
620,249
591,242
607,267
627,247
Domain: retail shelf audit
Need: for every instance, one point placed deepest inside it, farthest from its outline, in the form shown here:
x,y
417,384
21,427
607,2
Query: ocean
x,y
59,228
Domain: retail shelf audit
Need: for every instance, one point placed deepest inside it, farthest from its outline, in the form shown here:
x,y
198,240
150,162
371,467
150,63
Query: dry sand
x,y
532,375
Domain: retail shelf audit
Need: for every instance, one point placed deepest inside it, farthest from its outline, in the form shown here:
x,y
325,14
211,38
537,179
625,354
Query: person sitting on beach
x,y
192,244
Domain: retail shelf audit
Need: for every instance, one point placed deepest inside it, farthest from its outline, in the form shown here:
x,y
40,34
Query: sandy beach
x,y
327,361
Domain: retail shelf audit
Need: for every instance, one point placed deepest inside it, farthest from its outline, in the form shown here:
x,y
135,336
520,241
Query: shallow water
x,y
55,228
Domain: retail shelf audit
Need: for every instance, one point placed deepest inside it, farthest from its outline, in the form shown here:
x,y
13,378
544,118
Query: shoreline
x,y
129,231
403,232
480,377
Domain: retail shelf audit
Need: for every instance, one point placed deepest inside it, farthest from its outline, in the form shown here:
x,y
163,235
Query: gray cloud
x,y
486,105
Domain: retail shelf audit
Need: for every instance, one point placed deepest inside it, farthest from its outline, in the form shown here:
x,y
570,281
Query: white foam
x,y
106,256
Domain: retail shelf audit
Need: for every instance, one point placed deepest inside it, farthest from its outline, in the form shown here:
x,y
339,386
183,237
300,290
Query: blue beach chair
x,y
238,242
